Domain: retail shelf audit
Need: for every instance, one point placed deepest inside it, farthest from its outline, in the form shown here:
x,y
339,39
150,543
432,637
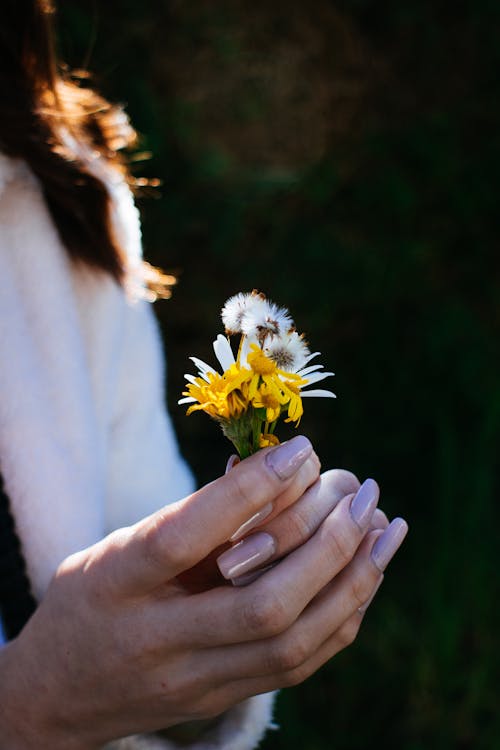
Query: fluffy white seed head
x,y
289,351
265,320
237,307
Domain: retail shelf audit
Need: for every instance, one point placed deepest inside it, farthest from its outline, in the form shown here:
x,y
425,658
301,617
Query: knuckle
x,y
290,654
342,543
297,675
360,589
297,525
166,545
100,568
342,482
265,615
348,632
244,490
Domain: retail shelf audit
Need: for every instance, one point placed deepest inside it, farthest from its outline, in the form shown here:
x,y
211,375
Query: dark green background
x,y
343,158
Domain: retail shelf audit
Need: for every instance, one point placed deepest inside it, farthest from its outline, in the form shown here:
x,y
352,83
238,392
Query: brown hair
x,y
39,108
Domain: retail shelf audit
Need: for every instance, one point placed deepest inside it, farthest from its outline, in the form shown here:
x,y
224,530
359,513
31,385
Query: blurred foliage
x,y
344,158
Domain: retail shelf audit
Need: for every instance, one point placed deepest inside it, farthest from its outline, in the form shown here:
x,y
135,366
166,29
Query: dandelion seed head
x,y
289,351
265,320
237,307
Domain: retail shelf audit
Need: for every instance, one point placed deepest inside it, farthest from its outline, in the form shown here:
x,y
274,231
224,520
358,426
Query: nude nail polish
x,y
364,503
388,544
246,555
286,459
252,522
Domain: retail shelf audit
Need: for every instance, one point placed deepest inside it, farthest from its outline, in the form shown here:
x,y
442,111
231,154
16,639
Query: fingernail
x,y
231,461
252,522
387,545
364,503
247,578
288,457
247,555
365,606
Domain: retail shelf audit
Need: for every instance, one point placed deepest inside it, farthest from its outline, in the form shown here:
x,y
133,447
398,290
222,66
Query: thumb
x,y
178,536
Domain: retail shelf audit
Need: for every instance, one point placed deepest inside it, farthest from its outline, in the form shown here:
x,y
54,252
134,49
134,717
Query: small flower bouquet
x,y
264,381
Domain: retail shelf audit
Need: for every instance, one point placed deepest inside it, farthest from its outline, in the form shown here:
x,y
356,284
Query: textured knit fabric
x,y
86,445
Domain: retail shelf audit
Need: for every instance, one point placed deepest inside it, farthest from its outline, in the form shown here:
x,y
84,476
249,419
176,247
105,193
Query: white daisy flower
x,y
225,357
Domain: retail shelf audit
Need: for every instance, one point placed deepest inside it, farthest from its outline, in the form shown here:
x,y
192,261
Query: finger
x,y
323,617
306,476
236,691
177,537
338,482
345,483
291,528
273,602
379,520
296,657
328,624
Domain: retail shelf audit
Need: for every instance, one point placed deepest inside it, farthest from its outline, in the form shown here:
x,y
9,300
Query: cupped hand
x,y
118,646
94,649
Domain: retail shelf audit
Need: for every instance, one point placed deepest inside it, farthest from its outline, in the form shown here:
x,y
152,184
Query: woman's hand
x,y
117,646
271,535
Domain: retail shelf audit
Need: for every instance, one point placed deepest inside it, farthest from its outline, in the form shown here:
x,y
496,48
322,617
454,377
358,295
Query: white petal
x,y
311,356
307,370
245,349
202,366
223,352
319,393
315,377
190,378
187,400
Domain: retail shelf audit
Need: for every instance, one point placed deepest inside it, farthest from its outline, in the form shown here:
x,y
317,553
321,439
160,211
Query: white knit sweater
x,y
86,445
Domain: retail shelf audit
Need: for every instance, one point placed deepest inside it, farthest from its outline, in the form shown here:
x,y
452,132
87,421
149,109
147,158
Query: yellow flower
x,y
266,440
266,399
269,387
218,395
264,381
295,408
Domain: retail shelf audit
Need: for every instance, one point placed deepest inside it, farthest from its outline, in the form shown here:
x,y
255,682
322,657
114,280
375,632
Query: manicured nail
x,y
231,461
247,555
365,606
387,545
287,458
252,522
247,578
364,503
